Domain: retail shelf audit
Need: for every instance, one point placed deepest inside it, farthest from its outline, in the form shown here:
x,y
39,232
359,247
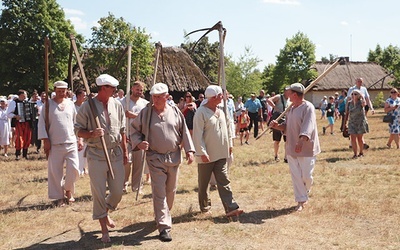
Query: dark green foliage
x,y
293,63
23,27
388,58
107,44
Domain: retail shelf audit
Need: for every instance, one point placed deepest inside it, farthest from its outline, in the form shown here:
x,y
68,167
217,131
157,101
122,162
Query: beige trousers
x,y
164,180
100,179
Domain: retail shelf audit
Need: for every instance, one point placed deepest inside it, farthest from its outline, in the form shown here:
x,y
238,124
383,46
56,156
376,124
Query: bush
x,y
379,102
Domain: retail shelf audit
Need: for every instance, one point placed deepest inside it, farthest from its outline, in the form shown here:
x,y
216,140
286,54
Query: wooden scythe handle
x,y
92,105
46,87
312,84
147,123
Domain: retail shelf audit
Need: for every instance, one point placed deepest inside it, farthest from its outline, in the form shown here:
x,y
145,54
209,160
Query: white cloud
x,y
78,23
74,12
287,2
344,23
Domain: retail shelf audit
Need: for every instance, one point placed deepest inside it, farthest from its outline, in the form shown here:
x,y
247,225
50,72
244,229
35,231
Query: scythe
x,y
221,64
147,123
312,84
92,105
46,85
128,84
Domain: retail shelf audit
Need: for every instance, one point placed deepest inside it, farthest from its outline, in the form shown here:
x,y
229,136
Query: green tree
x,y
23,27
293,63
205,55
243,77
107,44
267,75
388,58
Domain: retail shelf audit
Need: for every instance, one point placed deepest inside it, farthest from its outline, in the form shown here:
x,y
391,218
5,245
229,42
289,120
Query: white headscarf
x,y
211,91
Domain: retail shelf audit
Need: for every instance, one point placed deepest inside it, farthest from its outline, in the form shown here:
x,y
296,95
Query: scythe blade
x,y
217,26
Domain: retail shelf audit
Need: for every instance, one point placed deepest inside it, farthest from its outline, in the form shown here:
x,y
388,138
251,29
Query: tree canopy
x,y
107,44
23,26
293,63
243,77
388,58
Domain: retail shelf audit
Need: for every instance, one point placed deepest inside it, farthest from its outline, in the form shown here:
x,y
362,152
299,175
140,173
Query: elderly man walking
x,y
112,120
213,144
302,143
60,144
165,132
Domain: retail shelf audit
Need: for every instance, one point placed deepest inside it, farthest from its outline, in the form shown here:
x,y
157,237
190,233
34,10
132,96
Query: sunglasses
x,y
354,94
393,92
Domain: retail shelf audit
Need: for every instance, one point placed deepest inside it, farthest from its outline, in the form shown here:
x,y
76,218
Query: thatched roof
x,y
181,73
343,76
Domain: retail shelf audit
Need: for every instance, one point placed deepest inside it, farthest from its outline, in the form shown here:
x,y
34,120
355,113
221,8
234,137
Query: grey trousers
x,y
220,170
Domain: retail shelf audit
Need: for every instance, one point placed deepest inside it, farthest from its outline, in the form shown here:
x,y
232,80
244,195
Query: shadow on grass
x,y
258,217
129,236
254,163
135,234
41,207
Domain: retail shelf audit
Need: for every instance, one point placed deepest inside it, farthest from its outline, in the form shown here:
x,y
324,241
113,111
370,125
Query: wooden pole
x,y
46,87
312,84
221,32
128,86
92,105
147,123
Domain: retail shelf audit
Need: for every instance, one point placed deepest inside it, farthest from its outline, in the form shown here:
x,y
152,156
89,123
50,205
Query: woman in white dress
x,y
4,126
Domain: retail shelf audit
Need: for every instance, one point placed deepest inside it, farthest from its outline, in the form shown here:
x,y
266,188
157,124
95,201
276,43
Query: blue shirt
x,y
253,105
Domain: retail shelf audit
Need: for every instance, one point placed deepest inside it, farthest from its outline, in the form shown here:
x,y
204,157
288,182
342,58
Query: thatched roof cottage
x,y
376,79
181,73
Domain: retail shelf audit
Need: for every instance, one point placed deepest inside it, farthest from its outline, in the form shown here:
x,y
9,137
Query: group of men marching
x,y
117,136
157,134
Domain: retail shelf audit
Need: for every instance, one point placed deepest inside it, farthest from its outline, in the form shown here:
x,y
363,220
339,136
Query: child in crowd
x,y
330,113
244,122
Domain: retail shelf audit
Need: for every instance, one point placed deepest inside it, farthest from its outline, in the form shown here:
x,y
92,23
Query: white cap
x,y
61,85
159,88
106,79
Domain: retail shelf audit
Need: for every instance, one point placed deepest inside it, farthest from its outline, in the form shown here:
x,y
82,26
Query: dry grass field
x,y
354,204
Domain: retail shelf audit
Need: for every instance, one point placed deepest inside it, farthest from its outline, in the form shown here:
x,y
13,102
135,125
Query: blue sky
x,y
340,27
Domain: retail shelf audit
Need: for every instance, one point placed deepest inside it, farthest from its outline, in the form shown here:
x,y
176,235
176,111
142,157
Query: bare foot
x,y
110,222
300,206
70,198
105,238
60,203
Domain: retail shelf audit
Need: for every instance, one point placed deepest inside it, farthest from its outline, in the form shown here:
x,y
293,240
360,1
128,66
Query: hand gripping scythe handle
x,y
312,84
92,105
46,86
147,123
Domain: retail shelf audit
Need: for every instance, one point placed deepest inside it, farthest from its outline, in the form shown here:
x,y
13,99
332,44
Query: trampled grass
x,y
354,204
